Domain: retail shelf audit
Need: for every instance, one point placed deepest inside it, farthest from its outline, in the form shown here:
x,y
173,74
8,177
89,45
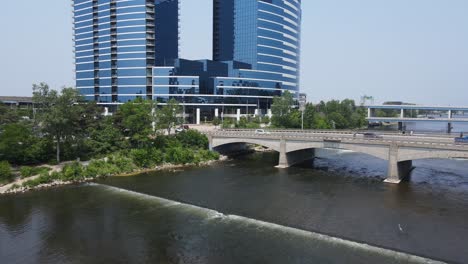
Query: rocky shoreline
x,y
17,188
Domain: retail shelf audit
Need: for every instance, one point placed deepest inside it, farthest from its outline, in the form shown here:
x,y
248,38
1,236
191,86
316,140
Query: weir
x,y
315,243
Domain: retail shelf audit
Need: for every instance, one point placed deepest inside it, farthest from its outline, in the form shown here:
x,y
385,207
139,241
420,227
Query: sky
x,y
394,50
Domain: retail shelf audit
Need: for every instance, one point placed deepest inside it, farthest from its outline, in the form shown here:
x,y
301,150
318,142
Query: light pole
x,y
302,107
302,119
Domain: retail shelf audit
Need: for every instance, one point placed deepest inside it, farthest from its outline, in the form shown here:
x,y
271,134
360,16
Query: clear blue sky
x,y
410,50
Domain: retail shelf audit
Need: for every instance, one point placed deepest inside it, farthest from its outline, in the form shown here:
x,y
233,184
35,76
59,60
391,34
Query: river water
x,y
334,210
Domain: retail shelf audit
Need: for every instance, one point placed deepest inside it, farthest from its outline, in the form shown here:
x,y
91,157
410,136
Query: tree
x,y
281,109
135,120
8,115
167,117
216,121
321,122
58,113
192,139
338,120
15,139
105,137
358,118
309,116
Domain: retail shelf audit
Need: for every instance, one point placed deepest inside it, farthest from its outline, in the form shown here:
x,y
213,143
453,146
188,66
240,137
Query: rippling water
x,y
246,211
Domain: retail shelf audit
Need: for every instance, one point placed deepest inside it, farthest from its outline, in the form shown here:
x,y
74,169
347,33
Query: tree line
x,y
63,126
333,114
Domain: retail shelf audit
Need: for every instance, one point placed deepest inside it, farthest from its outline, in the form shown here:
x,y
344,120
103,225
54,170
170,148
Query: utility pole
x,y
302,120
302,106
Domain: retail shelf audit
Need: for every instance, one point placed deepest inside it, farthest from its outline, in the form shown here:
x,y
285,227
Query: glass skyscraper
x,y
129,48
118,42
262,33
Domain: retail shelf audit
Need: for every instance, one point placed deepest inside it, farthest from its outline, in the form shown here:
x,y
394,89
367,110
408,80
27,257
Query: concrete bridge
x,y
298,146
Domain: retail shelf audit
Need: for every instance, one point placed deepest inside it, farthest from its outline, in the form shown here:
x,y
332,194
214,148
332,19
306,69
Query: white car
x,y
261,132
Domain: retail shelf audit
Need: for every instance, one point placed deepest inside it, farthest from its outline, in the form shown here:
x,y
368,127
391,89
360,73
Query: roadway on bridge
x,y
426,140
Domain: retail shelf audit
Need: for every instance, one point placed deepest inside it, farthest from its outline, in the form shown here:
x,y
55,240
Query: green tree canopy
x,y
61,116
167,116
135,120
285,113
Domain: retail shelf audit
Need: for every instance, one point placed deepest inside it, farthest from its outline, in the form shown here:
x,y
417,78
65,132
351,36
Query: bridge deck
x,y
421,141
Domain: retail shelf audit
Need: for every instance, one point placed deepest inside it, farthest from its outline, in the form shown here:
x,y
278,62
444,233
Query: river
x,y
334,210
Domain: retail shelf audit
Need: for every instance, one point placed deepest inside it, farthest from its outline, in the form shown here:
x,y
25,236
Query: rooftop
x,y
15,99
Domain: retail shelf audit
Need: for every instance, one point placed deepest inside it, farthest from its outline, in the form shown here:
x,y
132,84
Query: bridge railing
x,y
344,138
357,131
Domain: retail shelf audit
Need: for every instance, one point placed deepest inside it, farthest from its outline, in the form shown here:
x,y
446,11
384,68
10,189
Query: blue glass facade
x,y
117,43
130,48
262,33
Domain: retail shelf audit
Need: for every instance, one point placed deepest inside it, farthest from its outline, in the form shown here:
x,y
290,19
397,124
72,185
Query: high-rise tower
x,y
262,33
117,43
223,30
130,48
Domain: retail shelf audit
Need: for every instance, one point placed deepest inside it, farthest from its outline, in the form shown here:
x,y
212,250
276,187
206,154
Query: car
x,y
261,132
182,128
371,135
462,140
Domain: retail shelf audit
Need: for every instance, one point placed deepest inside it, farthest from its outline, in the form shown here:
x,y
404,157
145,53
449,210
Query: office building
x,y
117,43
256,50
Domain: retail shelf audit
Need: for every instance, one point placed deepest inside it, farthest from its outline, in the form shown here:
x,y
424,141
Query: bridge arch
x,y
273,144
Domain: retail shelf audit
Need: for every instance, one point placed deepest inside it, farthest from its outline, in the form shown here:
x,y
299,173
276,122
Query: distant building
x,y
16,101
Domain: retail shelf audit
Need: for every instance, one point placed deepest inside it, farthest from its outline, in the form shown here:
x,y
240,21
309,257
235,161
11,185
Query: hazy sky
x,y
410,50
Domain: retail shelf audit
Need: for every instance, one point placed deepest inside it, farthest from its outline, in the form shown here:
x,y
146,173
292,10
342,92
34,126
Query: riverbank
x,y
59,173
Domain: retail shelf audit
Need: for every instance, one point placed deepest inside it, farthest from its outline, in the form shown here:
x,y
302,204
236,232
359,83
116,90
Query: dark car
x,y
371,135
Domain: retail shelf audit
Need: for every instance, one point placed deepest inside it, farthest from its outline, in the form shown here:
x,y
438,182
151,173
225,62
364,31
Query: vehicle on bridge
x,y
262,132
369,135
462,140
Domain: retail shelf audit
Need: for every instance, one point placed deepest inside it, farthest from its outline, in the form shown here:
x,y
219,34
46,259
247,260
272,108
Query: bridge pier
x,y
401,126
397,170
288,159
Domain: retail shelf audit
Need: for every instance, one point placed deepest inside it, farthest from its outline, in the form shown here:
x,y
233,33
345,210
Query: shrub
x,y
207,155
27,171
44,178
72,172
193,139
228,123
122,163
98,168
179,155
156,156
216,121
141,158
5,171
